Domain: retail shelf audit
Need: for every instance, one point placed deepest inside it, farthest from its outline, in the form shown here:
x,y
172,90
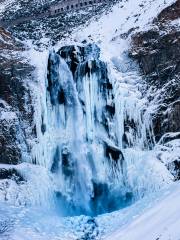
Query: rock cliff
x,y
16,107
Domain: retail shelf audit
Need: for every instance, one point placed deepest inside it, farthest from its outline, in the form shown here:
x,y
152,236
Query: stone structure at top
x,y
73,5
55,9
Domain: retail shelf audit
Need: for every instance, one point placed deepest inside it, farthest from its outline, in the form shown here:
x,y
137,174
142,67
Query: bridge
x,y
59,8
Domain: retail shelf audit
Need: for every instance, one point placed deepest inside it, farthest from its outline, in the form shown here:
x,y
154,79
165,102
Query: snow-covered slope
x,y
160,222
126,17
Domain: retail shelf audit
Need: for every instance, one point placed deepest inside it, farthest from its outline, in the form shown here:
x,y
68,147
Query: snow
x,y
155,215
36,186
125,16
149,218
6,112
175,22
5,4
8,115
160,222
169,152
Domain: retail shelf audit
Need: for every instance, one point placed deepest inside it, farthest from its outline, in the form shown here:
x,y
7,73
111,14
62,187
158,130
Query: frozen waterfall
x,y
94,134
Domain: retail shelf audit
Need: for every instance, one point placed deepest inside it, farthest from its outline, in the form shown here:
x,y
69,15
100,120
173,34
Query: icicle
x,y
94,133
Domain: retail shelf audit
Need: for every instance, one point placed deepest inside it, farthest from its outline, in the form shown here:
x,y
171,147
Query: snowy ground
x,y
155,218
160,222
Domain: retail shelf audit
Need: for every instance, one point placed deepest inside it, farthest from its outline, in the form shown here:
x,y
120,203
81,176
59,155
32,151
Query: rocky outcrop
x,y
16,108
10,151
170,13
10,173
158,54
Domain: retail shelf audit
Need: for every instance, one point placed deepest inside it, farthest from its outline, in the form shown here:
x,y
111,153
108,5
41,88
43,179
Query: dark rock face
x,y
177,169
114,153
170,13
10,173
16,109
10,151
158,54
72,55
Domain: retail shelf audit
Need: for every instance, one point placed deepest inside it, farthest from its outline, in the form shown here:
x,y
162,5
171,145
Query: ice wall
x,y
94,135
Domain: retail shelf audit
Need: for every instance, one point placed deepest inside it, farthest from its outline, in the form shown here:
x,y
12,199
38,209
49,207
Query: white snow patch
x,y
160,222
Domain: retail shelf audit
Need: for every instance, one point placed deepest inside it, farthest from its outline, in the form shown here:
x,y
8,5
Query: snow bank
x,y
160,222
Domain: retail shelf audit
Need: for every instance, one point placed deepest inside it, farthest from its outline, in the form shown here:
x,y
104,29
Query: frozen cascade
x,y
94,134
